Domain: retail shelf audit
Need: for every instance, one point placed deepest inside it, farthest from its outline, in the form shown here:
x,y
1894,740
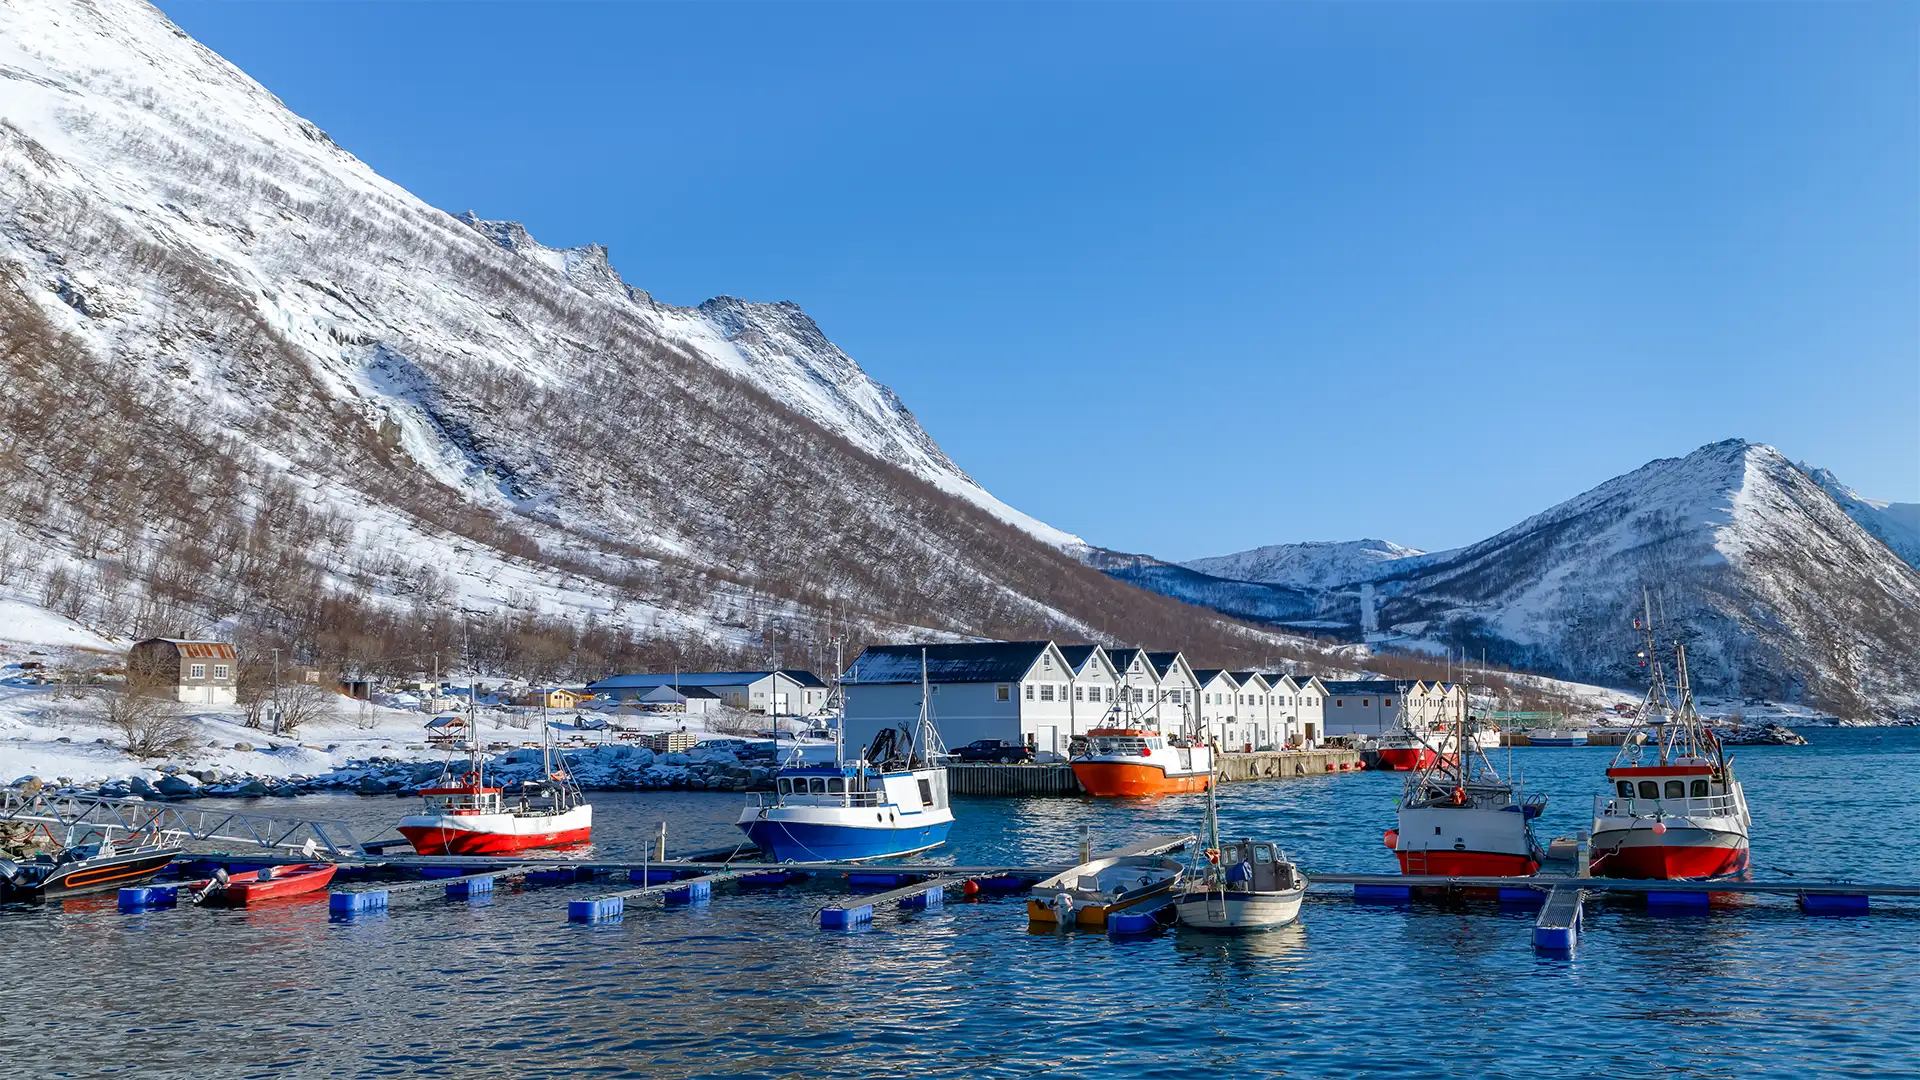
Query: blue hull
x,y
783,841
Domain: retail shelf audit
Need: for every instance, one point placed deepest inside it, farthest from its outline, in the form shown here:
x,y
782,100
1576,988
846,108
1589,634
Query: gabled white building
x,y
1095,686
1216,708
1016,691
1176,702
1253,725
1139,687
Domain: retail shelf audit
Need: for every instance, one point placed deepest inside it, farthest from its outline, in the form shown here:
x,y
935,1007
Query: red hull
x,y
1466,863
1108,778
462,842
1407,758
1658,862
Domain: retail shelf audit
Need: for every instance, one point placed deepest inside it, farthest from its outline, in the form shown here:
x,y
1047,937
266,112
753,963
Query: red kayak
x,y
253,886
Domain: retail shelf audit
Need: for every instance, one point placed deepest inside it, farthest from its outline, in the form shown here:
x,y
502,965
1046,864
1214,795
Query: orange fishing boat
x,y
1137,762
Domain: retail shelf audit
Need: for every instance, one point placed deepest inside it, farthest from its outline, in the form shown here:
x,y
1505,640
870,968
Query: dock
x,y
1235,767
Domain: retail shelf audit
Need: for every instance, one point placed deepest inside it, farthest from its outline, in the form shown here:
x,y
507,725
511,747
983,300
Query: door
x,y
1048,739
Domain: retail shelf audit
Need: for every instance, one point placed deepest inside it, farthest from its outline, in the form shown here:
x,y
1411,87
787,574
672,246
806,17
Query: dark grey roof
x,y
1077,655
1245,677
1162,661
987,661
1370,686
803,677
1205,675
1122,658
697,678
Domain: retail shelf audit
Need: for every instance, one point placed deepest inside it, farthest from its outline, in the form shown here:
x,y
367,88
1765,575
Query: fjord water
x,y
748,987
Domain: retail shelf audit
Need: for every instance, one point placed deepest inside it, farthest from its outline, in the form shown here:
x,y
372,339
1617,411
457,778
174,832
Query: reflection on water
x,y
747,986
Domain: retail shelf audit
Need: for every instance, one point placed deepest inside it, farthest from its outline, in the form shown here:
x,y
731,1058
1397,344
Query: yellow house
x,y
552,698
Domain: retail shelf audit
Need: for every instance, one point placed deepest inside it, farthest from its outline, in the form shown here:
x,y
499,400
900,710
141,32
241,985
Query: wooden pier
x,y
1016,780
1288,764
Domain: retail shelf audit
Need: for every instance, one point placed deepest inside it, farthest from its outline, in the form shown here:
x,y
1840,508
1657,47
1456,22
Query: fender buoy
x,y
970,888
1392,839
1459,796
1213,856
1659,828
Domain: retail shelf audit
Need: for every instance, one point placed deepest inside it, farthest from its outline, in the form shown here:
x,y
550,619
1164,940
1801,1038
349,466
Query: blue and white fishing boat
x,y
891,801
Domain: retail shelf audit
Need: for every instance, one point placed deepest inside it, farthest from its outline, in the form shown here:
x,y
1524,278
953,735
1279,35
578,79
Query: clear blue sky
x,y
1425,269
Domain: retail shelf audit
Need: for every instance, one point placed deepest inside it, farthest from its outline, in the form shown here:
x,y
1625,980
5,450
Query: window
x,y
1676,789
926,793
1109,695
837,785
1003,692
222,671
197,671
785,785
1388,702
1186,697
1699,789
818,784
1139,696
1046,691
1029,691
1079,693
1338,702
1364,702
1649,789
1626,788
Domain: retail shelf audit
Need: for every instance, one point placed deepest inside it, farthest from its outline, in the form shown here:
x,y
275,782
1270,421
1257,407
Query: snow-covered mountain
x,y
1896,524
1312,565
250,380
1780,589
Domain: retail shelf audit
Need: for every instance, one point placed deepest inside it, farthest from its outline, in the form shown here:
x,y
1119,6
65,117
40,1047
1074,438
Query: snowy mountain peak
x,y
1315,564
587,267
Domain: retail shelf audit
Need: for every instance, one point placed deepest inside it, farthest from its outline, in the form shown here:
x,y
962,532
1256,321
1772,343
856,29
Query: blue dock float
x,y
560,875
1676,900
1833,903
607,907
845,918
1383,894
1522,897
882,881
469,887
149,896
1006,883
355,903
1144,919
695,891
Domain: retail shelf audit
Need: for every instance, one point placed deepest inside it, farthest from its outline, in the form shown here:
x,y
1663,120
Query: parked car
x,y
999,750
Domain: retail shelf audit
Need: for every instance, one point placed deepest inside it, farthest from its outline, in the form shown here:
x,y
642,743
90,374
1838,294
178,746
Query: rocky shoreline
x,y
600,768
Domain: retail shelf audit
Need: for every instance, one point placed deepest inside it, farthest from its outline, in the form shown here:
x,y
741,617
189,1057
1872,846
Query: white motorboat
x,y
1087,894
1238,887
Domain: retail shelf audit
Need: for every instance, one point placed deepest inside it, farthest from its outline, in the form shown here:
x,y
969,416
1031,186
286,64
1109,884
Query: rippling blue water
x,y
749,987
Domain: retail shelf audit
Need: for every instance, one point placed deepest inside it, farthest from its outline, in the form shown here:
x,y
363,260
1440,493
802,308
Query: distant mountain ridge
x,y
1311,565
1784,589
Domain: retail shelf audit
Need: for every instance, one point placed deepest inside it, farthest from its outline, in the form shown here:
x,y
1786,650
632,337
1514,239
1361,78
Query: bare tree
x,y
302,702
152,726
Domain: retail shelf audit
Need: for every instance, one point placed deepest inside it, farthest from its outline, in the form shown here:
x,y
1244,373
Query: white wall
x,y
963,712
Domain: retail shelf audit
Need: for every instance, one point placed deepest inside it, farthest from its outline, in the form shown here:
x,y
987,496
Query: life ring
x,y
1213,856
1459,796
471,779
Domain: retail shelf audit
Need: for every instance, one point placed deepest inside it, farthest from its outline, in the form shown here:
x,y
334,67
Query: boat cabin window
x,y
819,785
926,793
784,785
1156,743
836,786
1699,789
1649,789
1626,788
1676,789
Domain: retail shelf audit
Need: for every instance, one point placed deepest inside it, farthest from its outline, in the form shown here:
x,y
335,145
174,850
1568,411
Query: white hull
x,y
1221,912
537,823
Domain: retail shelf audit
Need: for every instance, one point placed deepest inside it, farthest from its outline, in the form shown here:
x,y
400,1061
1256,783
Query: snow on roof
x,y
985,661
200,649
685,679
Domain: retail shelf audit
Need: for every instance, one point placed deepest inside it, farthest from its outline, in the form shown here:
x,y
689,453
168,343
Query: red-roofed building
x,y
196,672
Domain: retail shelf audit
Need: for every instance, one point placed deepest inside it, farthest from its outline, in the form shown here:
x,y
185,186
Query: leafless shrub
x,y
150,726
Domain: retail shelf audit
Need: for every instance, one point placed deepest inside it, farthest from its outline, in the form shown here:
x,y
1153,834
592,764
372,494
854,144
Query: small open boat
x,y
1088,893
267,883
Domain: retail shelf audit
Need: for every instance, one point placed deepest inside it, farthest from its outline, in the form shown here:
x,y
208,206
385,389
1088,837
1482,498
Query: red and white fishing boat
x,y
1676,811
466,816
1408,750
1461,819
1131,761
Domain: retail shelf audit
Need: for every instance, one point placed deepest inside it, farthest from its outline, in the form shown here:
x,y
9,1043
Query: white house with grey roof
x,y
1017,691
1095,687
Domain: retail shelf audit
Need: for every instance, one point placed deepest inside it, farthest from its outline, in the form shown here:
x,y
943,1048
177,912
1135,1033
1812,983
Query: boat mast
x,y
840,713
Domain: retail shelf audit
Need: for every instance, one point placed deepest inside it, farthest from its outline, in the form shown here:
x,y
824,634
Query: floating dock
x,y
1059,781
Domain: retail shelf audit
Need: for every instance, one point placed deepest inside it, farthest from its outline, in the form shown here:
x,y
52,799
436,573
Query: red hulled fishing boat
x,y
1676,810
464,815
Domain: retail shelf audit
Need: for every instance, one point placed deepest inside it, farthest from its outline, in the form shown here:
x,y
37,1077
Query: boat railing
x,y
813,798
1705,806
